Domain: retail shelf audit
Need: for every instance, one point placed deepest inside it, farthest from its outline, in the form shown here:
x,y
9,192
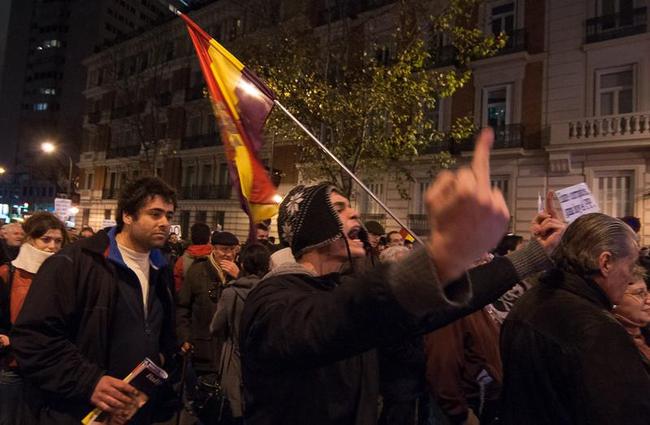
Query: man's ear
x,y
127,218
605,263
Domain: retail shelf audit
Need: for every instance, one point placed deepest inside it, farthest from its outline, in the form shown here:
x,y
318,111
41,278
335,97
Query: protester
x,y
463,368
394,238
10,245
97,309
197,301
308,333
255,260
566,360
375,232
86,232
200,249
402,383
44,235
633,312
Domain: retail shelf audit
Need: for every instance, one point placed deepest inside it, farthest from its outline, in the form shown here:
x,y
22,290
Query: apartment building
x,y
567,96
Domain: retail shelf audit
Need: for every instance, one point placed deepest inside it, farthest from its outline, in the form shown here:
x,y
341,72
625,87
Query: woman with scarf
x,y
44,235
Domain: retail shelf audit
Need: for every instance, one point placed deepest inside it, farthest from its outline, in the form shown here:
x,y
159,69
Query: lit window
x,y
47,44
615,91
40,106
502,18
496,106
47,91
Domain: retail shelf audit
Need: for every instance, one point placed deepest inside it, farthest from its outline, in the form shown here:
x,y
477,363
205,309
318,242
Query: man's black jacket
x,y
567,360
307,342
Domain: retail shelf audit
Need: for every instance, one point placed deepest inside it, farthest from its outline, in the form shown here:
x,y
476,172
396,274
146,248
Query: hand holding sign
x,y
467,216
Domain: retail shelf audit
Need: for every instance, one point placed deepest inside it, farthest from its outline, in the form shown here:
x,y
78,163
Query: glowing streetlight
x,y
50,148
2,170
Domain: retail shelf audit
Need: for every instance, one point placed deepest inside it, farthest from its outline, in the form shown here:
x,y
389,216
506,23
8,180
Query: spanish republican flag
x,y
241,102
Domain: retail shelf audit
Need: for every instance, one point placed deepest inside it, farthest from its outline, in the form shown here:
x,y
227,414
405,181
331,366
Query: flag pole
x,y
346,169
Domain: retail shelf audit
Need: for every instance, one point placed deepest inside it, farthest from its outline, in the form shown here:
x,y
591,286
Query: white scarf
x,y
30,258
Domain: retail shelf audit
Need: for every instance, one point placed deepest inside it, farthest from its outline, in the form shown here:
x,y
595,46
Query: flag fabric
x,y
406,235
241,102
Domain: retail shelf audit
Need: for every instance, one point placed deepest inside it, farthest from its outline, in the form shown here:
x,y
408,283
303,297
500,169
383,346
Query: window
x,y
615,91
224,176
85,218
496,105
367,205
189,177
206,174
218,219
47,91
185,222
107,214
89,181
614,192
417,205
41,106
502,18
200,217
502,183
608,9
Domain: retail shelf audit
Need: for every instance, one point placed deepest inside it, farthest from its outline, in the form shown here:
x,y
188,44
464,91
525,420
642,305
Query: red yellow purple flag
x,y
241,102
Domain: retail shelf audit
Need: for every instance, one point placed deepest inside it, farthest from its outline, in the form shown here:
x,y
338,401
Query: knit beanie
x,y
307,218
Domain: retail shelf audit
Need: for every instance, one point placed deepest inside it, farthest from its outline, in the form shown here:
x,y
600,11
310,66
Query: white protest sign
x,y
576,201
62,208
175,228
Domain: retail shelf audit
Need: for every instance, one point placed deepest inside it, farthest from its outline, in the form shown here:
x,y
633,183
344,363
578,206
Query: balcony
x,y
193,93
201,141
110,193
610,128
419,224
516,42
212,191
618,25
350,10
506,137
123,151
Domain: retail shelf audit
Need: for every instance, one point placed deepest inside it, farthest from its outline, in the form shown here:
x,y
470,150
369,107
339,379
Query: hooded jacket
x,y
183,264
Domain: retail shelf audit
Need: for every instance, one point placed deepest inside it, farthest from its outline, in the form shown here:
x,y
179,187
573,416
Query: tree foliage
x,y
372,110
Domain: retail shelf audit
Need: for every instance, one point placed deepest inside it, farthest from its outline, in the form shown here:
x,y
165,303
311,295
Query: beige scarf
x,y
217,268
30,258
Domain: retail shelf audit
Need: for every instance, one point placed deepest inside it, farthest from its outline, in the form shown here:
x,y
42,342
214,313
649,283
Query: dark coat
x,y
308,342
63,337
567,361
194,311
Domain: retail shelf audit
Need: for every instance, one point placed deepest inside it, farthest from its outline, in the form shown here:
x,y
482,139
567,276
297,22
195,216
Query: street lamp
x,y
3,170
50,148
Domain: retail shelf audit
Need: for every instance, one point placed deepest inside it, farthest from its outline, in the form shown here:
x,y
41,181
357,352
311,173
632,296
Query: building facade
x,y
567,98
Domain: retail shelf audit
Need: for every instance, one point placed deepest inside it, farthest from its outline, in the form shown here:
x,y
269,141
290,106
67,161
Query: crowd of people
x,y
340,323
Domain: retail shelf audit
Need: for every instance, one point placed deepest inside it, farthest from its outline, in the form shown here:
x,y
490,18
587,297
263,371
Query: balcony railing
x,y
618,25
212,191
516,42
348,9
505,137
608,128
201,141
110,193
419,223
122,151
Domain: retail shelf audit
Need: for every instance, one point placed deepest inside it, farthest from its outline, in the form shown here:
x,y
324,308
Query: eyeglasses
x,y
641,294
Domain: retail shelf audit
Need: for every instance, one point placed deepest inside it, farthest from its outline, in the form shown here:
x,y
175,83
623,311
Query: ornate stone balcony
x,y
610,128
